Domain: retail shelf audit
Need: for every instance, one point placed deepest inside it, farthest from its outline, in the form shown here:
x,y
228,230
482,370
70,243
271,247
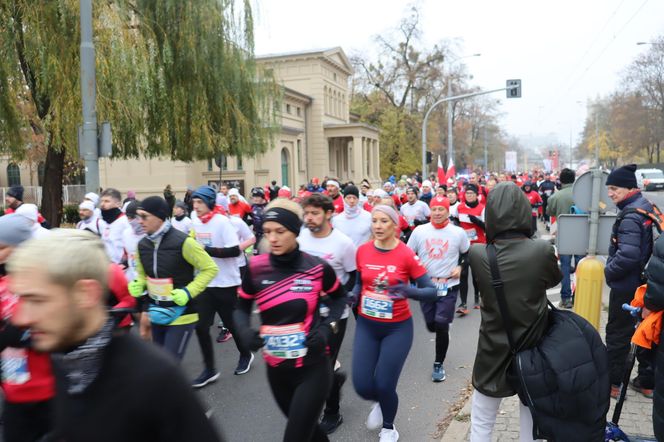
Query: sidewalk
x,y
635,419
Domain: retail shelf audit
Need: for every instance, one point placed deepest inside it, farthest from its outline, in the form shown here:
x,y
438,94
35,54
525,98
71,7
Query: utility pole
x,y
88,143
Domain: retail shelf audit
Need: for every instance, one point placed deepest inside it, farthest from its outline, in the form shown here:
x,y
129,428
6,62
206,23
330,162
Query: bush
x,y
70,214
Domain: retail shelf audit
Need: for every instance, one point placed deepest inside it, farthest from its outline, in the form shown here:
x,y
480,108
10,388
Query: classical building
x,y
319,137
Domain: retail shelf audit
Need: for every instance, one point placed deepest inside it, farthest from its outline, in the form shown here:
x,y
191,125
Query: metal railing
x,y
72,194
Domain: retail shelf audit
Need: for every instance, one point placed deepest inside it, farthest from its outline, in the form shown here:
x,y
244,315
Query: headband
x,y
284,217
387,210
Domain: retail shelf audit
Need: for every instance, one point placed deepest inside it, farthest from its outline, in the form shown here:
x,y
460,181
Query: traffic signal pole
x,y
514,91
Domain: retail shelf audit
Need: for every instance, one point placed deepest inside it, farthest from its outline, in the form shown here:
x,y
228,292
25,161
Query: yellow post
x,y
589,284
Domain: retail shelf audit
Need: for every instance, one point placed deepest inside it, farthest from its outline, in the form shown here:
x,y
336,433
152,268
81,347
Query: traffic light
x,y
429,157
513,88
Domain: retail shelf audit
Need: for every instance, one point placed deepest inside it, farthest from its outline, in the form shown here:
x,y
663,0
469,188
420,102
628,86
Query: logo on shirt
x,y
267,282
391,269
301,286
437,248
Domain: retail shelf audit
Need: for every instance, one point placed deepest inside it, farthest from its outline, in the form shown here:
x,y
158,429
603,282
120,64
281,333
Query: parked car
x,y
651,179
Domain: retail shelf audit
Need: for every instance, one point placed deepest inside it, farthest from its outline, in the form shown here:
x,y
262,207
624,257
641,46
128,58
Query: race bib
x,y
15,366
471,234
441,289
160,289
284,341
204,239
377,306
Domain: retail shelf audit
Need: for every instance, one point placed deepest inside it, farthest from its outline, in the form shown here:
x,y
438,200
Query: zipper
x,y
523,384
154,258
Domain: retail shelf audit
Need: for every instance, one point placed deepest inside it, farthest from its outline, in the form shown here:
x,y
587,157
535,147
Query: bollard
x,y
589,285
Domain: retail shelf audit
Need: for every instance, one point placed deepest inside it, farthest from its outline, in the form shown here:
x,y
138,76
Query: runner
x,y
130,239
535,203
384,331
115,222
321,240
218,237
31,213
442,248
108,387
471,219
257,209
415,211
354,221
333,189
180,220
288,287
167,260
89,220
238,207
27,379
453,198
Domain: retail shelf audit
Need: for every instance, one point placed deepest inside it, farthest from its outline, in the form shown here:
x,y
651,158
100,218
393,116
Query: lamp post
x,y
89,146
450,108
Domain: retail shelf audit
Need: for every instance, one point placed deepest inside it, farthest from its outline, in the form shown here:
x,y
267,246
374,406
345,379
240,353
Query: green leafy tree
x,y
175,78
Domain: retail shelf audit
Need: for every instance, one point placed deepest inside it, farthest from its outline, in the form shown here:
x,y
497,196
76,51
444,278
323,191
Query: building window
x,y
209,165
13,175
288,110
299,111
334,75
41,170
239,163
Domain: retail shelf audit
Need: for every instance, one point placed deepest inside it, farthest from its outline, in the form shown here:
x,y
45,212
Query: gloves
x,y
180,296
316,341
473,219
398,291
136,288
250,338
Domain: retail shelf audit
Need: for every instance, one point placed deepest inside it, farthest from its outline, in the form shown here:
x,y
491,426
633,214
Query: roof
x,y
334,55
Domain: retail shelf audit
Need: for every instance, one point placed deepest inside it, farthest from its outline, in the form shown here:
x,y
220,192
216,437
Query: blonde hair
x,y
286,204
66,255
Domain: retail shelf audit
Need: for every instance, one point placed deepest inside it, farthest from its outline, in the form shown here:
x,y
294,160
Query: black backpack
x,y
564,379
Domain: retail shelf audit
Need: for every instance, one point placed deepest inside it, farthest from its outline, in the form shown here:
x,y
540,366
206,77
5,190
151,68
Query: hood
x,y
507,209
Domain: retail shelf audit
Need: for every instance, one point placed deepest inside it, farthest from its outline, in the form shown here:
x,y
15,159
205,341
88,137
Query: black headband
x,y
284,217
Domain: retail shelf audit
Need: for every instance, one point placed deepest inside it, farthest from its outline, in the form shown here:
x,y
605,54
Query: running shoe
x,y
635,385
438,374
224,335
206,377
331,422
462,310
337,365
387,435
375,418
566,303
244,364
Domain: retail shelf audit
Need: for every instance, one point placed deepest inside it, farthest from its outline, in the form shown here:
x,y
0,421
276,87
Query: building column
x,y
358,159
376,143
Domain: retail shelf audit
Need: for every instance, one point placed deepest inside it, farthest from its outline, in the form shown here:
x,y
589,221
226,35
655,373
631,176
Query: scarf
x,y
442,225
111,215
473,204
352,212
83,364
156,236
180,218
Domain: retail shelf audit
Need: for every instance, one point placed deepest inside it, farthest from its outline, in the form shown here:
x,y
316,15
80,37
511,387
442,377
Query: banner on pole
x,y
510,161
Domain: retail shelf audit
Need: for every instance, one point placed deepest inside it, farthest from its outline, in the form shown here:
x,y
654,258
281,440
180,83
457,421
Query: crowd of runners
x,y
304,261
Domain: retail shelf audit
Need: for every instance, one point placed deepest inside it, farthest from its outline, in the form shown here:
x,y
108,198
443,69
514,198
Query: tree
x,y
174,78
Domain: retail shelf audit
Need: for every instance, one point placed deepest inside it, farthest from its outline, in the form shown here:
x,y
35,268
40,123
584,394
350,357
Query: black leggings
x,y
213,300
300,394
463,284
332,403
442,341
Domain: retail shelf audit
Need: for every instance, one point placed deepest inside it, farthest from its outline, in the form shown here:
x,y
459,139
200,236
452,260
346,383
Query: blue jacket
x,y
627,259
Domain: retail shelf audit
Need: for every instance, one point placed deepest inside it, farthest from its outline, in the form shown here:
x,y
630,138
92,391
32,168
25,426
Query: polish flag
x,y
451,171
441,172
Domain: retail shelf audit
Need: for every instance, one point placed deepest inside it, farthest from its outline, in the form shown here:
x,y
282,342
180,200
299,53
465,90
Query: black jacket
x,y
139,395
654,300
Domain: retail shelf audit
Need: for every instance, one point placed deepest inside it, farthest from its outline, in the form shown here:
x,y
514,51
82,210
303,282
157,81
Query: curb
x,y
458,428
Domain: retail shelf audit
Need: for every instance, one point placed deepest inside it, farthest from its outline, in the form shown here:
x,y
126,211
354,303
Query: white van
x,y
650,179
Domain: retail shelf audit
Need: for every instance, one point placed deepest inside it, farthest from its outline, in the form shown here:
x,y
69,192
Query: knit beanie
x,y
472,188
16,192
206,194
131,208
351,190
157,206
14,229
623,177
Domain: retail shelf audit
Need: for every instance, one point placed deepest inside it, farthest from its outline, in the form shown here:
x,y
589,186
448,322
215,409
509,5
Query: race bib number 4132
x,y
284,341
377,306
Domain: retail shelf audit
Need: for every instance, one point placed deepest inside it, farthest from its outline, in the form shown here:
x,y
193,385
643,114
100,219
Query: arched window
x,y
41,169
13,175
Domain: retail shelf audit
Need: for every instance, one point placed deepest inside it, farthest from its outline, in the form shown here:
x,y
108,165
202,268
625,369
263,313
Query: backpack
x,y
564,379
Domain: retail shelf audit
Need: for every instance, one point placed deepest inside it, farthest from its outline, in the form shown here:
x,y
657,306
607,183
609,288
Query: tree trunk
x,y
51,207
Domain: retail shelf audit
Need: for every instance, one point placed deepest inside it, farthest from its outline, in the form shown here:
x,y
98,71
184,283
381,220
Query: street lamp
x,y
450,108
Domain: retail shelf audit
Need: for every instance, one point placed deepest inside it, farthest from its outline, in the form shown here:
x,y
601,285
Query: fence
x,y
33,194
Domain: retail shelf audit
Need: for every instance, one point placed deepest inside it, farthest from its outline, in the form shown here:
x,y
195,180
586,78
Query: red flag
x,y
441,172
451,171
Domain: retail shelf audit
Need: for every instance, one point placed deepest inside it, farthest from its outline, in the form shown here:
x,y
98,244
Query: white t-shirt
x,y
418,211
358,229
454,210
130,243
243,233
336,248
183,226
94,224
219,233
112,237
439,249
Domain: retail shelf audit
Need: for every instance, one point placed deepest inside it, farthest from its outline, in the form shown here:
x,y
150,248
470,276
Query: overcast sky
x,y
564,51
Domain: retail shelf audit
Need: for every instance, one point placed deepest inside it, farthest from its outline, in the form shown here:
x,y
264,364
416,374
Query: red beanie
x,y
440,201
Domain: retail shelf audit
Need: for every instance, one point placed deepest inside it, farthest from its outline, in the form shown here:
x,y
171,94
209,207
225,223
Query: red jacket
x,y
117,284
535,201
27,374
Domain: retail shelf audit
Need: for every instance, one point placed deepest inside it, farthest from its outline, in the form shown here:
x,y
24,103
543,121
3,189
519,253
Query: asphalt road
x,y
656,197
244,409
